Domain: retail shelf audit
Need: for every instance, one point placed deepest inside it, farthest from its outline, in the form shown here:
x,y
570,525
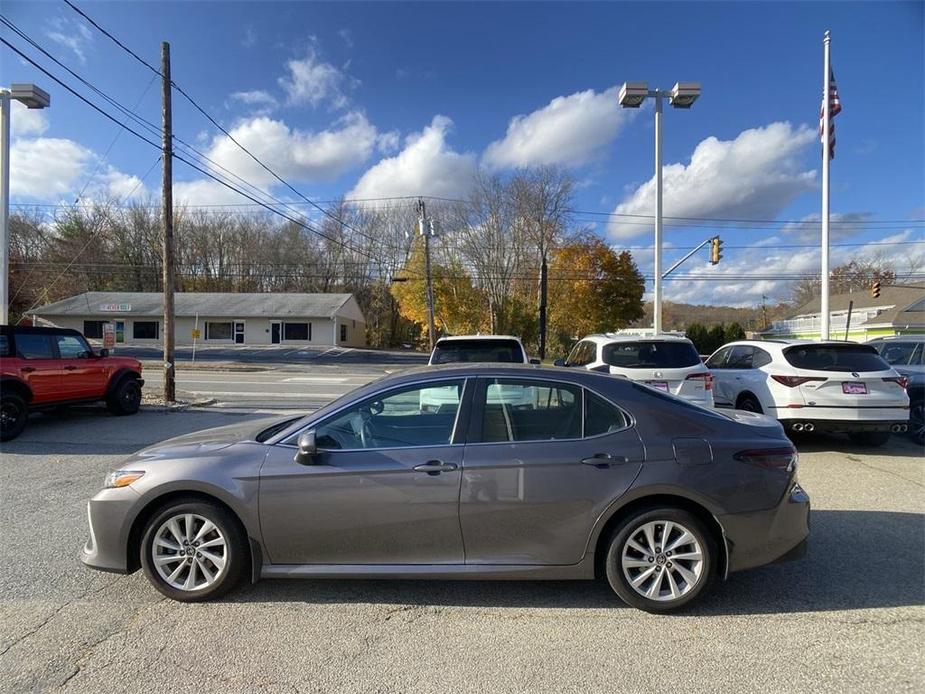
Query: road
x,y
848,617
287,356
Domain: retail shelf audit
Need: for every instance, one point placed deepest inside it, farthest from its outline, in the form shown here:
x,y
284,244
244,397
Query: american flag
x,y
834,110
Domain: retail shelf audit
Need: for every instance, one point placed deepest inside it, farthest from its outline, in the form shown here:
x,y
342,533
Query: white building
x,y
220,318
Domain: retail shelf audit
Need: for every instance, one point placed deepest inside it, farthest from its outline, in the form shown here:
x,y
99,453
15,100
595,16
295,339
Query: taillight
x,y
901,381
794,381
706,378
784,458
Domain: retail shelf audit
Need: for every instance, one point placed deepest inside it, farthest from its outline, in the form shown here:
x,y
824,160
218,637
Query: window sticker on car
x,y
850,388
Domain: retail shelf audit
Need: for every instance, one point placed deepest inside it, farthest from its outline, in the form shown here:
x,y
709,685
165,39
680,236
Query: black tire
x,y
869,439
620,582
13,416
750,404
125,398
235,553
917,421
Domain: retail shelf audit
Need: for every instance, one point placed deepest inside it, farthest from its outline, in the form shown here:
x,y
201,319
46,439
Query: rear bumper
x,y
775,534
843,426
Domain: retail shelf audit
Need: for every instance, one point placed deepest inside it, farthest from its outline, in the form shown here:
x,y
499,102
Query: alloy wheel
x,y
917,422
189,552
662,560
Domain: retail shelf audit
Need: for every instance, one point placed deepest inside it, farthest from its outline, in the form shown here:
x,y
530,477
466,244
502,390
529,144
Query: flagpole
x,y
826,125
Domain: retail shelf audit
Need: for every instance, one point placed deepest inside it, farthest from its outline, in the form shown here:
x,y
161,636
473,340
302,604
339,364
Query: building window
x,y
297,331
218,331
145,329
94,329
343,333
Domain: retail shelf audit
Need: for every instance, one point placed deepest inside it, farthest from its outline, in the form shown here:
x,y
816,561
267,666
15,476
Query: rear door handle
x,y
70,367
27,369
435,467
604,460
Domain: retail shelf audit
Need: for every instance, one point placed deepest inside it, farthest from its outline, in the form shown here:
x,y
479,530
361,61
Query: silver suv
x,y
669,363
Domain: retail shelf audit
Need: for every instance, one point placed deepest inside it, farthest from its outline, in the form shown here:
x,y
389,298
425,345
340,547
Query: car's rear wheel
x,y
13,416
917,422
749,404
869,438
660,559
125,398
193,551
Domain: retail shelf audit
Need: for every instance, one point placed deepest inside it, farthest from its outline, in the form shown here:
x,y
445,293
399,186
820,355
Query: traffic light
x,y
875,289
716,250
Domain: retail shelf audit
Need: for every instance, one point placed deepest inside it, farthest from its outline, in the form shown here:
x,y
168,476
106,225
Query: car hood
x,y
207,441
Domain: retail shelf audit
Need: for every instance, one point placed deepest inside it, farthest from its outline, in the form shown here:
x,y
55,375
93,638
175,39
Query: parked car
x,y
669,363
813,386
42,368
906,354
600,475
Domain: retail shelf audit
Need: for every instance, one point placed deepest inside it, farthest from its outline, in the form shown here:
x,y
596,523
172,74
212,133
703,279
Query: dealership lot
x,y
848,617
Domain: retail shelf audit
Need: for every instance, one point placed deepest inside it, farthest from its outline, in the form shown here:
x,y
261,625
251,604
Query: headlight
x,y
122,478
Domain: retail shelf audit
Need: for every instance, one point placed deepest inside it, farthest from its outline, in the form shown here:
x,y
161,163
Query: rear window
x,y
901,353
650,354
461,351
835,358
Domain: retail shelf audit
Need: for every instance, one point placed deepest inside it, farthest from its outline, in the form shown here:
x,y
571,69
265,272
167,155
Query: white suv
x,y
669,363
813,386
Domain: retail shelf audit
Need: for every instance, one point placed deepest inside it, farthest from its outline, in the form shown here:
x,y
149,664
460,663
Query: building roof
x,y
206,304
898,297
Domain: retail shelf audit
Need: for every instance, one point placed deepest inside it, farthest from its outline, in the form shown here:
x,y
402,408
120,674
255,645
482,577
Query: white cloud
x,y
753,176
313,81
26,122
262,100
295,155
45,168
841,225
250,37
569,130
74,35
121,186
389,142
205,192
425,166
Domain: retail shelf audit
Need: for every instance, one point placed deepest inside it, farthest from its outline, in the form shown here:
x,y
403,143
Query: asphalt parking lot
x,y
849,617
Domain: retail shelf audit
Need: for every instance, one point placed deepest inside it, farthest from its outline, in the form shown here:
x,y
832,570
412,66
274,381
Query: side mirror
x,y
103,352
308,450
534,360
559,362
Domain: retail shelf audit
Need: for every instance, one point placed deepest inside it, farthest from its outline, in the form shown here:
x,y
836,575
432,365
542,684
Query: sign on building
x,y
116,308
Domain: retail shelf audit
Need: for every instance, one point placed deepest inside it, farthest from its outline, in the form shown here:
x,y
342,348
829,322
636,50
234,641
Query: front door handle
x,y
604,460
435,467
70,367
27,369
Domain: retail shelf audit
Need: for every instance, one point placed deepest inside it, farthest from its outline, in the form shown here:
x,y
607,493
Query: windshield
x,y
856,358
458,351
901,353
650,354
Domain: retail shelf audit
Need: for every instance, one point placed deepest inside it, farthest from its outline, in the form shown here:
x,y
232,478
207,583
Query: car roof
x,y
609,338
35,330
502,369
453,338
899,338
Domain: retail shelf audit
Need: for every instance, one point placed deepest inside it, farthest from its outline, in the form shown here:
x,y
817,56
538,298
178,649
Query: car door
x,y
83,375
39,367
723,382
384,488
536,478
737,371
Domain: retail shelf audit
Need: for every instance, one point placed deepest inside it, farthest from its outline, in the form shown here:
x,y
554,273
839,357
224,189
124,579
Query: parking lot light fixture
x,y
682,95
34,98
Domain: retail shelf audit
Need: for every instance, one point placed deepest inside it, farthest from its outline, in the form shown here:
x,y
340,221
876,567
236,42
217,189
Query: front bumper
x,y
762,537
108,514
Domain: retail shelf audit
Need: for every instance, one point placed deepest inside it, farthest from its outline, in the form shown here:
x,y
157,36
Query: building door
x,y
120,331
239,332
275,327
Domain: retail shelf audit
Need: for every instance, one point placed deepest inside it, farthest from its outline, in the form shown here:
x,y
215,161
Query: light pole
x,y
32,97
682,95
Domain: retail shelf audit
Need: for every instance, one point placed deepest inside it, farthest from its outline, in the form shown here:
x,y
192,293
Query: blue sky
x,y
382,99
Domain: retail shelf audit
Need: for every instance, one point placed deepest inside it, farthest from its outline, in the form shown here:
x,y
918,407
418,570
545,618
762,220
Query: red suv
x,y
48,367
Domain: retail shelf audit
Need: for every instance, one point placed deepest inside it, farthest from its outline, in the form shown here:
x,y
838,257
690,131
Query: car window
x,y
650,354
523,410
761,358
740,357
897,353
918,358
412,416
717,361
468,351
33,346
601,417
827,357
72,347
4,346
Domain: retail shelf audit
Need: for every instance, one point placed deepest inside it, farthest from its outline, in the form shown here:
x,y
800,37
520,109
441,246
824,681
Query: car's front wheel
x,y
660,559
193,551
13,416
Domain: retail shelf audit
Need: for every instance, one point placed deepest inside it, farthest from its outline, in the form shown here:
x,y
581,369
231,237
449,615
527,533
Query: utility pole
x,y
543,288
170,385
826,145
427,231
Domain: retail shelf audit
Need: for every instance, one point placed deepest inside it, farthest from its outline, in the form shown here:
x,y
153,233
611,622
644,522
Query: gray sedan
x,y
463,472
